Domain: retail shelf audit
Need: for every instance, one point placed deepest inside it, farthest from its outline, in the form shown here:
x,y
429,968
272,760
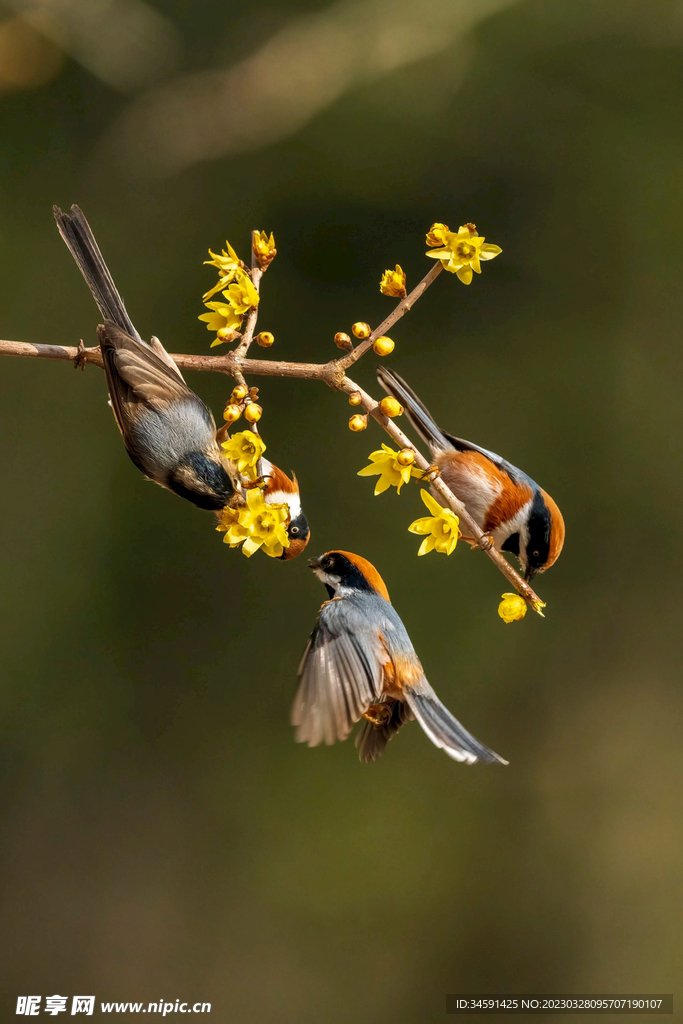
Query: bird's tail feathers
x,y
416,411
443,729
75,230
371,740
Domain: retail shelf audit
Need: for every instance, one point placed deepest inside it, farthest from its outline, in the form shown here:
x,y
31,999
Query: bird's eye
x,y
536,554
294,531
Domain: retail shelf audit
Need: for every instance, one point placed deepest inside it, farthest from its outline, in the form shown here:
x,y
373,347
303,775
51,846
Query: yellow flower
x,y
391,472
222,318
462,252
512,607
244,449
227,263
256,524
393,283
441,527
437,234
241,294
264,248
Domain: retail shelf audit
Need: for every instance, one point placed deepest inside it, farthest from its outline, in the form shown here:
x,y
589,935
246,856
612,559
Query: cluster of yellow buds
x,y
242,402
381,346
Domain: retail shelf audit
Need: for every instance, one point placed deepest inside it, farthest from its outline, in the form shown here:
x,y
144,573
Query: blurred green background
x,y
163,836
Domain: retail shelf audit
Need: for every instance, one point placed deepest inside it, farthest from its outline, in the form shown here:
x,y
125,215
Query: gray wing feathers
x,y
150,378
340,676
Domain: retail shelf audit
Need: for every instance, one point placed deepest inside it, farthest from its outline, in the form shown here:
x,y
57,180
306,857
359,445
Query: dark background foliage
x,y
163,836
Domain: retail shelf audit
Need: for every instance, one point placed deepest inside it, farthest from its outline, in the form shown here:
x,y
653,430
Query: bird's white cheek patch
x,y
291,500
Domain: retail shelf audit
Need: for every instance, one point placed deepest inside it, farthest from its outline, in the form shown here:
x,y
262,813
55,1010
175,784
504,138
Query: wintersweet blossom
x,y
256,525
222,318
462,253
437,235
393,283
512,607
227,262
264,248
441,528
241,294
227,316
392,473
244,449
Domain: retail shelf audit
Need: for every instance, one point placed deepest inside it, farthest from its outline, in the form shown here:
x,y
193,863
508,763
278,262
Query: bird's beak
x,y
529,574
313,563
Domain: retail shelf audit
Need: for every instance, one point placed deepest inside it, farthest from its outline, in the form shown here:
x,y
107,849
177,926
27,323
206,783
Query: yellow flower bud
x,y
358,422
265,339
239,392
437,235
391,407
253,412
226,334
512,607
355,398
393,283
361,330
263,248
231,413
406,457
383,346
343,341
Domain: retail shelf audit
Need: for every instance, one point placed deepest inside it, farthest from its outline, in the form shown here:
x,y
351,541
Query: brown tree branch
x,y
332,374
400,308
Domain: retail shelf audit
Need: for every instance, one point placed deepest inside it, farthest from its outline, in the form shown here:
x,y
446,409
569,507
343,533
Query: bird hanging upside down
x,y
168,431
360,663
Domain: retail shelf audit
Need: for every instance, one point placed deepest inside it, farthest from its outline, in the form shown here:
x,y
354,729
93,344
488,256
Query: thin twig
x,y
399,309
249,322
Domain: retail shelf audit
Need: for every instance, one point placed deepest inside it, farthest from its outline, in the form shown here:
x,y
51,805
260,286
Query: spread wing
x,y
340,675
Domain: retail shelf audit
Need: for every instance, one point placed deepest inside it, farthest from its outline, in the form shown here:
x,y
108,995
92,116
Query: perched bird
x,y
360,663
506,503
168,432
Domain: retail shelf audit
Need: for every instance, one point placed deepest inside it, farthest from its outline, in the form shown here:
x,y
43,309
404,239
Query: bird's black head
x,y
537,548
299,534
348,572
202,481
